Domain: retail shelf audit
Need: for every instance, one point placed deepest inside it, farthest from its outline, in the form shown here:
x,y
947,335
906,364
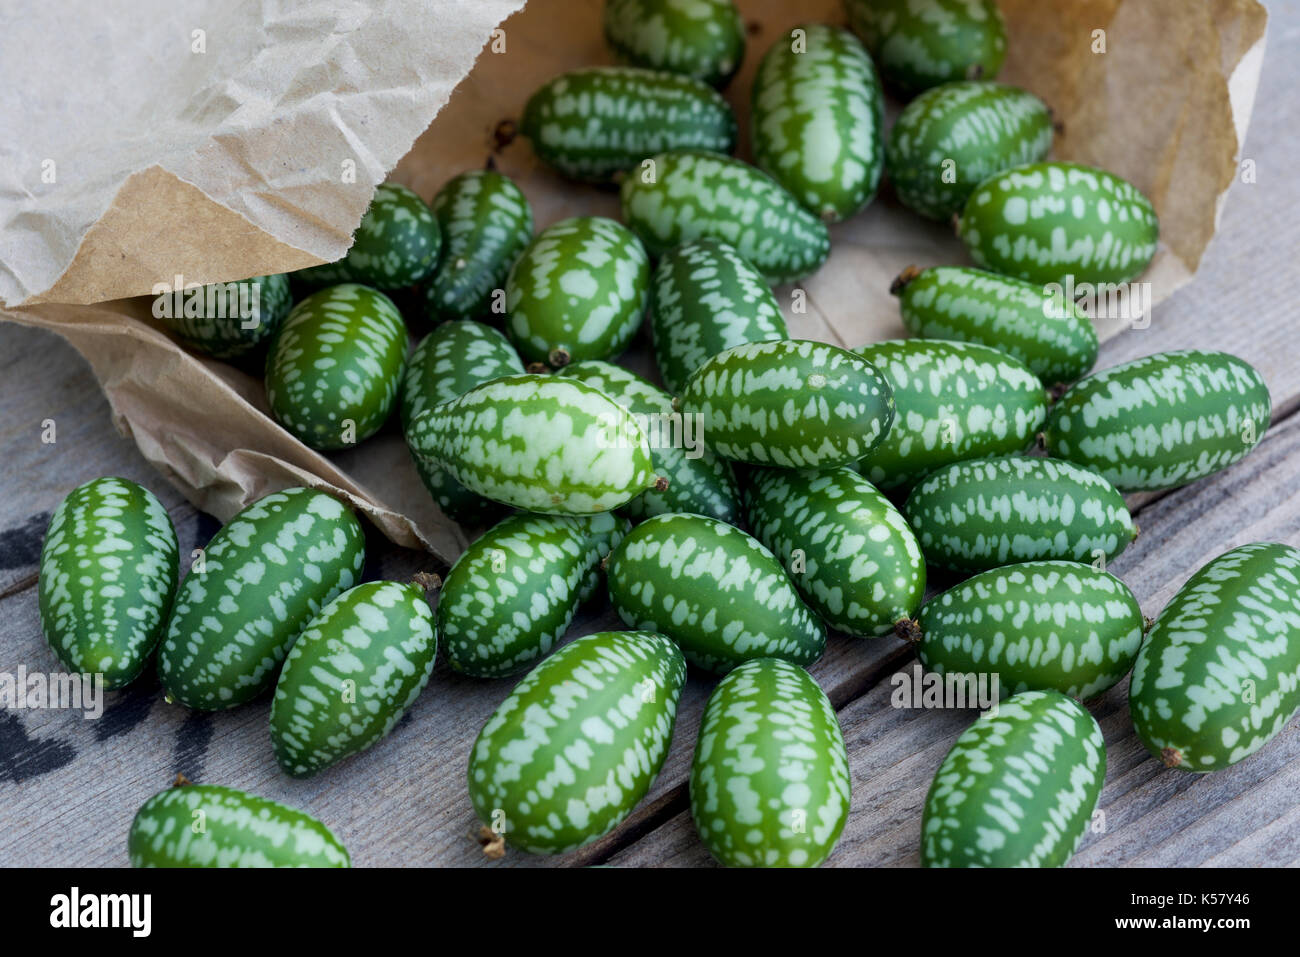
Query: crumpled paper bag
x,y
222,168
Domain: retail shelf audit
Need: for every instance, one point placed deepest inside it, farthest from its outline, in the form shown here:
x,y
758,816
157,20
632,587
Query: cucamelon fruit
x,y
706,298
229,320
704,39
953,137
1039,626
816,118
845,546
794,403
351,675
203,825
333,371
485,221
1019,787
106,579
975,515
397,244
678,197
542,443
577,291
1219,674
257,584
578,742
953,401
1045,331
918,44
1161,421
594,123
448,362
698,480
1052,223
714,590
770,780
513,592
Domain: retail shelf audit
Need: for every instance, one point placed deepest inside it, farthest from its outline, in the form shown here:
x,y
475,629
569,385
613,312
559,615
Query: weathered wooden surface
x,y
68,786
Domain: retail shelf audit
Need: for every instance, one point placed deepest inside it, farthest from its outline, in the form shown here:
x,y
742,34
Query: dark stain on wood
x,y
23,757
20,547
192,740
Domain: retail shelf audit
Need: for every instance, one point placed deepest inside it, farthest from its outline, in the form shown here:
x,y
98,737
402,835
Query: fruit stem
x,y
908,629
181,781
559,358
429,582
493,844
903,278
661,483
1172,757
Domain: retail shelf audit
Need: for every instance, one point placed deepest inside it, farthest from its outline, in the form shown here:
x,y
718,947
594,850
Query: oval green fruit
x,y
485,221
953,401
793,403
106,580
684,196
238,830
1219,674
227,320
577,744
706,298
262,578
714,590
1019,787
953,137
1058,223
351,675
1162,421
975,515
921,43
538,442
704,39
817,119
595,123
578,291
448,362
397,243
333,371
846,548
770,779
1047,332
512,594
1039,626
698,480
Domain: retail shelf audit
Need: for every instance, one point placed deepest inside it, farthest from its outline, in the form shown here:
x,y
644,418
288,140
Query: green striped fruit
x,y
975,515
1045,331
228,320
397,243
598,122
262,578
1039,626
954,401
1219,674
953,137
1018,788
921,43
106,580
698,481
1162,421
818,115
714,590
706,298
683,196
577,744
704,39
577,291
793,403
539,442
485,222
448,362
203,825
770,779
1052,223
333,371
846,548
513,593
351,675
